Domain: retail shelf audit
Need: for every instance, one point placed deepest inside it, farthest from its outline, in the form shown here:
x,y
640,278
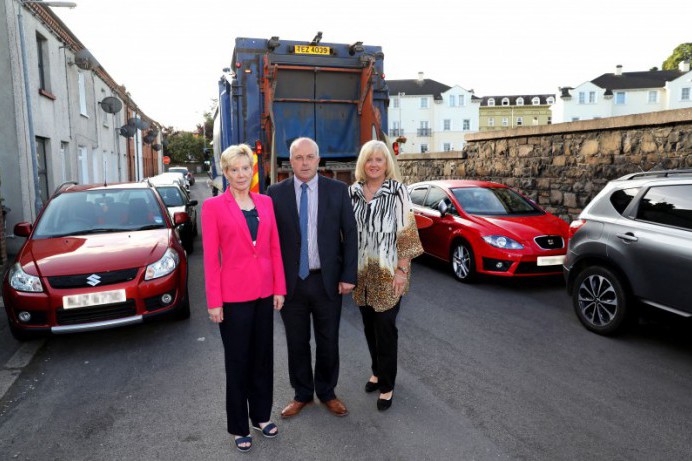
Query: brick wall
x,y
563,166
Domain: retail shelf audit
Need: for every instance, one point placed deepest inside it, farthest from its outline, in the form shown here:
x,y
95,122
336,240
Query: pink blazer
x,y
235,270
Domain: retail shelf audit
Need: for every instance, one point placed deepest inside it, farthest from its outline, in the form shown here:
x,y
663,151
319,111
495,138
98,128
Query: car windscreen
x,y
496,201
100,211
171,195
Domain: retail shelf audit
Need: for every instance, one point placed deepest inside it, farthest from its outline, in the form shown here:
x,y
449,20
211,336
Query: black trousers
x,y
247,332
310,300
382,336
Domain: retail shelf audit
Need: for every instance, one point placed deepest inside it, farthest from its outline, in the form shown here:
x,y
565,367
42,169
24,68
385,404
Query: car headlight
x,y
21,281
163,266
500,241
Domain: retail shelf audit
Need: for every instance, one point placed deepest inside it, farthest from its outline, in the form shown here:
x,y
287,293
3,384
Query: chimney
x,y
618,69
684,66
420,78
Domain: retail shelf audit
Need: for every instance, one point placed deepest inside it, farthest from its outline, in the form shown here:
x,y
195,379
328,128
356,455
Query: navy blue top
x,y
252,219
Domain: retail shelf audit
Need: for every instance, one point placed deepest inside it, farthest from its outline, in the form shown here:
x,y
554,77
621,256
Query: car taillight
x,y
395,146
575,226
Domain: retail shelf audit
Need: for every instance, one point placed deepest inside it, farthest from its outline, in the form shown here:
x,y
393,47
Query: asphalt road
x,y
497,370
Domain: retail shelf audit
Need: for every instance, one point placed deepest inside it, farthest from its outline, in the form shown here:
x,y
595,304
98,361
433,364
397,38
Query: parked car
x,y
177,199
167,178
183,169
632,244
97,257
482,227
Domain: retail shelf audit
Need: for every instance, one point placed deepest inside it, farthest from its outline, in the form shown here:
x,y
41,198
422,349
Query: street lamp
x,y
38,203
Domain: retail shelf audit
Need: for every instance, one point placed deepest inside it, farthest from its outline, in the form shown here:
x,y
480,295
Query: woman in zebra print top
x,y
387,241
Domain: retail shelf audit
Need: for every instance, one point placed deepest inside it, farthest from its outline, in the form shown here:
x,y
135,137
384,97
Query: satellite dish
x,y
85,60
154,131
138,123
127,131
156,147
111,105
148,139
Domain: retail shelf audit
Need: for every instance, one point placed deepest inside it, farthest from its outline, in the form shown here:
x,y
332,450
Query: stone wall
x,y
563,166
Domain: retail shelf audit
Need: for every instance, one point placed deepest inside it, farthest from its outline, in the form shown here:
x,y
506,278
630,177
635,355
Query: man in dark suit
x,y
319,239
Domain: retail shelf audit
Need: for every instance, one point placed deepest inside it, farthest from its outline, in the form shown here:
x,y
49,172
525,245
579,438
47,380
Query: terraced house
x,y
505,112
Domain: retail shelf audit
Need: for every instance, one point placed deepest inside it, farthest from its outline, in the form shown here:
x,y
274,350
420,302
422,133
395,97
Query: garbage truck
x,y
278,90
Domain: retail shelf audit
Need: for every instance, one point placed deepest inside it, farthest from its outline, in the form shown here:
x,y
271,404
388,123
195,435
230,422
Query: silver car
x,y
632,244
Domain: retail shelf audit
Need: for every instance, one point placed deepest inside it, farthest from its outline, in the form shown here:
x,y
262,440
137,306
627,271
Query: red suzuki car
x,y
482,227
98,257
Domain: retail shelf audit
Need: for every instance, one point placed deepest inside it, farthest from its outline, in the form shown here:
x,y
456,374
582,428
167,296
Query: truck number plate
x,y
93,299
310,49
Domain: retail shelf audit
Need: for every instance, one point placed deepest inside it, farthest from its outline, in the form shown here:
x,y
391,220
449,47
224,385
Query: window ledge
x,y
47,94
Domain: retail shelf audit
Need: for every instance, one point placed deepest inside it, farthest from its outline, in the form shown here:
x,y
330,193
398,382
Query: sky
x,y
170,53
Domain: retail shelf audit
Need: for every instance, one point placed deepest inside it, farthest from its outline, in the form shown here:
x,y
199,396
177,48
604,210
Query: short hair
x,y
299,140
367,151
233,152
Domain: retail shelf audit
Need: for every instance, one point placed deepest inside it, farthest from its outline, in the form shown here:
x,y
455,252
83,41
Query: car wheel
x,y
462,262
182,312
600,300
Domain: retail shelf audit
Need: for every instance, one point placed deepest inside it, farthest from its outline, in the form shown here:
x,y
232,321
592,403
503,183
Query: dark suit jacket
x,y
337,234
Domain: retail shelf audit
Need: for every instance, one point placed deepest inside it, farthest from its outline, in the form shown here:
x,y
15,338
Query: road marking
x,y
20,359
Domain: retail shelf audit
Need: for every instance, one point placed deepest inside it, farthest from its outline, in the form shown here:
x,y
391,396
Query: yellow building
x,y
505,112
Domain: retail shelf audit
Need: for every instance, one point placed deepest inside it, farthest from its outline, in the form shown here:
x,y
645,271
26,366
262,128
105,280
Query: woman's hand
x,y
399,283
278,302
216,315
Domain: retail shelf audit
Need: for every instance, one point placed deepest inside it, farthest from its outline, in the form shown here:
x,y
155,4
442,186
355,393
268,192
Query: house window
x,y
462,100
491,121
505,121
653,97
396,130
592,97
423,148
582,97
42,156
536,101
395,102
452,100
550,100
520,121
42,55
491,102
423,103
466,124
424,129
575,119
447,123
535,120
82,94
619,97
505,101
446,147
520,101
550,120
685,94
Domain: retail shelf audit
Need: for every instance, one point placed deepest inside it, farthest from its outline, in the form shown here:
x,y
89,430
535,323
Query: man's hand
x,y
345,288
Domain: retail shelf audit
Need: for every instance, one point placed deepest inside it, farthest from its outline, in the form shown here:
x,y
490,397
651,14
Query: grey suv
x,y
632,244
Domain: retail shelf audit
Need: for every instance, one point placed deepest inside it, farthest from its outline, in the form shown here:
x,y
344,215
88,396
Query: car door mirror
x,y
180,217
22,229
442,208
192,203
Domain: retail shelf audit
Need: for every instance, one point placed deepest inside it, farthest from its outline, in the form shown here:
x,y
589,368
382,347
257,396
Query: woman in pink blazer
x,y
244,279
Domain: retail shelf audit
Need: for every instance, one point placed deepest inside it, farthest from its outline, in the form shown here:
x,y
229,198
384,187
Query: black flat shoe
x,y
383,404
371,387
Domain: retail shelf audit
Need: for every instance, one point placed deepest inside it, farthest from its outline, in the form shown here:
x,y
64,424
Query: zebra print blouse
x,y
386,232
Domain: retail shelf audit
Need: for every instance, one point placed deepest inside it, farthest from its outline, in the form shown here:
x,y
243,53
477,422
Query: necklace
x,y
370,190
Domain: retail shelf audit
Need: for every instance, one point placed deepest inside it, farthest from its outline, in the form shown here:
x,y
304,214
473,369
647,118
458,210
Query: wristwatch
x,y
402,269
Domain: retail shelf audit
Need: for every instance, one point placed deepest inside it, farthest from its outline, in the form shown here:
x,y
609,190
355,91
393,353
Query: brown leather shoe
x,y
293,408
336,406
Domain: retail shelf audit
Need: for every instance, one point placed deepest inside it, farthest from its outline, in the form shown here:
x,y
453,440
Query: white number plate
x,y
93,299
550,260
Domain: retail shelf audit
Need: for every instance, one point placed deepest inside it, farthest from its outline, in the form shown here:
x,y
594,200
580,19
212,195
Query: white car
x,y
171,178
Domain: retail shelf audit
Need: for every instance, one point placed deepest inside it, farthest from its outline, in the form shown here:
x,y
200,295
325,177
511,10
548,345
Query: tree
x,y
184,147
680,53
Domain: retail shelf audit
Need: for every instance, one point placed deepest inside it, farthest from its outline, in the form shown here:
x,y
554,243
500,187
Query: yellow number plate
x,y
310,49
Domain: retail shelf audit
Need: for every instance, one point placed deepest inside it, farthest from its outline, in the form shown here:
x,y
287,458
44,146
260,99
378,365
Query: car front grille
x,y
96,313
87,280
550,242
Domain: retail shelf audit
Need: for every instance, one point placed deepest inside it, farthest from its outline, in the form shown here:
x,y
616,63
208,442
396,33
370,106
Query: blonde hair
x,y
234,152
368,150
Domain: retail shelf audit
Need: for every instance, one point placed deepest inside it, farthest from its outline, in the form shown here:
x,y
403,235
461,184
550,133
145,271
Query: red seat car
x,y
98,257
482,227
